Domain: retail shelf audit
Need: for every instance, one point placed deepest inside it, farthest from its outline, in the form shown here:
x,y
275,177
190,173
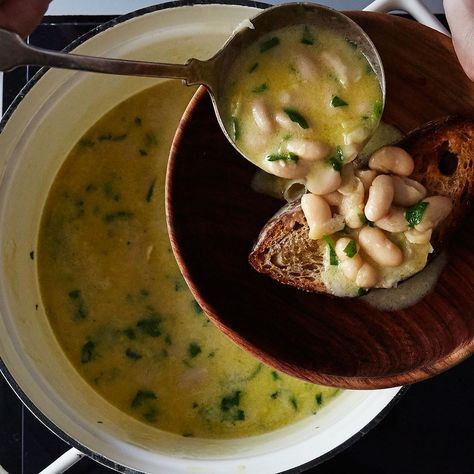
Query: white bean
x,y
380,248
323,179
394,220
367,276
356,136
392,159
308,149
318,215
416,237
288,169
352,205
262,115
316,210
340,69
351,267
350,152
380,198
306,67
439,207
407,191
367,177
334,198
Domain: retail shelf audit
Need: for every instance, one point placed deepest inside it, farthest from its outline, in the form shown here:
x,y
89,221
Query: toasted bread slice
x,y
444,163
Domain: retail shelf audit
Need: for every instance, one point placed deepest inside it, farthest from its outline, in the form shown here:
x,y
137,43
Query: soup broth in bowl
x,y
118,303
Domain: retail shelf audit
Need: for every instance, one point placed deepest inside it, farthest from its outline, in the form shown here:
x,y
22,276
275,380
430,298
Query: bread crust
x,y
443,152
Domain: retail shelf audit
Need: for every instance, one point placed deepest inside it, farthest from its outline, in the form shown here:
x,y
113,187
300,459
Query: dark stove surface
x,y
430,430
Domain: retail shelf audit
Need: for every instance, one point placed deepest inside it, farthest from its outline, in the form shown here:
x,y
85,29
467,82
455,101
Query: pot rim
x,y
3,368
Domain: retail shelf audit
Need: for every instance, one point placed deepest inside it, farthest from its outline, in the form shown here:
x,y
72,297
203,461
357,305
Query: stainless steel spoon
x,y
212,73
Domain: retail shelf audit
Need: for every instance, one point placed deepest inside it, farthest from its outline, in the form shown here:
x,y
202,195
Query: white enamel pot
x,y
36,135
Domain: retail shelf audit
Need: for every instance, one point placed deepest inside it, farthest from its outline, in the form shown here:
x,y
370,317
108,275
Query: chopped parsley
x,y
131,354
87,352
194,349
150,326
261,88
253,68
284,157
333,260
351,43
119,216
307,37
336,101
337,160
269,44
235,128
377,111
414,214
296,117
151,190
351,249
141,397
364,219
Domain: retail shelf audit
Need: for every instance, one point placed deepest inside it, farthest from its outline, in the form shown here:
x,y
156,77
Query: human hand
x,y
460,16
22,16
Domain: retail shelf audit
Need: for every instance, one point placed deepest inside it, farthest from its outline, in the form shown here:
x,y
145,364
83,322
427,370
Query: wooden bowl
x,y
214,218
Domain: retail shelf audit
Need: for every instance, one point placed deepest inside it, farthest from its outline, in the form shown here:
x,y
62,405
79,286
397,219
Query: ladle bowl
x,y
211,73
214,218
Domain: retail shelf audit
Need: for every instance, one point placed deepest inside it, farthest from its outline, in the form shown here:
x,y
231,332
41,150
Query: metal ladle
x,y
212,73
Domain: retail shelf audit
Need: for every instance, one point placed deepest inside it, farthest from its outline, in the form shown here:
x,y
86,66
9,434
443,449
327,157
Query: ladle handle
x,y
14,52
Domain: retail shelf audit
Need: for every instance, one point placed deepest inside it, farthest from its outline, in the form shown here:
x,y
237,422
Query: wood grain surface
x,y
214,218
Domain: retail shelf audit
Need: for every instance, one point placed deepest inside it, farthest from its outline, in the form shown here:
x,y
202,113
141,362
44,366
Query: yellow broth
x,y
118,303
302,83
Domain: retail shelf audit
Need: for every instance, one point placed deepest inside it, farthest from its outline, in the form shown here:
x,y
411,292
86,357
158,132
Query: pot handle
x,y
416,8
64,462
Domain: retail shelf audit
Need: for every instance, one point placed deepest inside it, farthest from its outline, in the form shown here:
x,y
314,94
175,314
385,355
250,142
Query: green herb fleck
x,y
32,255
364,219
319,399
350,249
141,397
131,354
275,375
194,349
150,326
261,88
151,190
74,294
414,214
168,340
87,352
80,311
275,395
119,216
269,44
296,117
229,401
284,157
138,121
235,128
197,309
130,333
294,403
337,160
86,142
142,152
187,435
253,68
336,101
333,260
112,138
377,109
362,291
369,69
307,37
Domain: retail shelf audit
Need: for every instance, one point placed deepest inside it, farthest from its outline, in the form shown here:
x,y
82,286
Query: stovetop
x,y
430,430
